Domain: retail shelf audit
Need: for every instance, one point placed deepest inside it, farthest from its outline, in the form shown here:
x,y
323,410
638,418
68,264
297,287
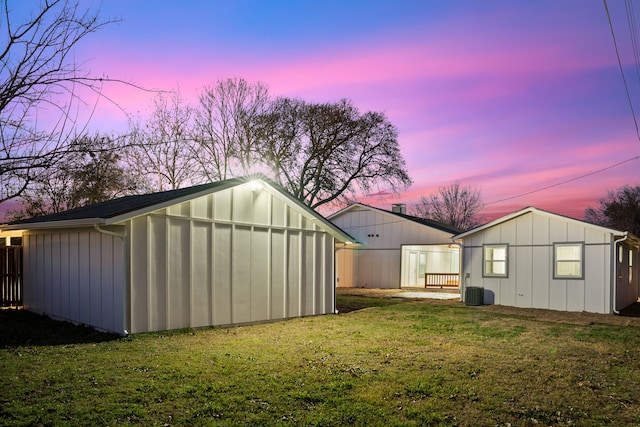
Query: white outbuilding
x,y
232,252
395,250
537,259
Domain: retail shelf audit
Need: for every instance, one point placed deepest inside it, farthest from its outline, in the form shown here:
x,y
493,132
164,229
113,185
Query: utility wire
x,y
633,33
624,79
566,181
632,29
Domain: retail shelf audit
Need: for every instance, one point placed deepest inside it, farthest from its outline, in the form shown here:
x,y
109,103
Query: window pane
x,y
568,260
499,267
566,252
496,253
422,264
495,260
568,269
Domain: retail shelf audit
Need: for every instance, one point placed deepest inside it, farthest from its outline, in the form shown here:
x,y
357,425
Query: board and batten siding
x,y
376,263
530,282
76,275
232,257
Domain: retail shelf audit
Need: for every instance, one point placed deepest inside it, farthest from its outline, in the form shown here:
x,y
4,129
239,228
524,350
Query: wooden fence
x,y
10,276
441,279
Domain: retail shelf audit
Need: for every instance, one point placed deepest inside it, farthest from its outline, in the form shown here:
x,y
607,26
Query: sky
x,y
523,100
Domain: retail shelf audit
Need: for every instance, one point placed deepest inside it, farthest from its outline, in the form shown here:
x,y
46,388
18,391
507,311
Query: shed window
x,y
620,260
568,260
495,260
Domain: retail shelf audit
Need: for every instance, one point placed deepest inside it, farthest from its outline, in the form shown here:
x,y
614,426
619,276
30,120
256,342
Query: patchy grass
x,y
387,362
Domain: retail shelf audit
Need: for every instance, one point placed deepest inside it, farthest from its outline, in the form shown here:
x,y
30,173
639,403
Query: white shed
x,y
231,252
537,259
395,249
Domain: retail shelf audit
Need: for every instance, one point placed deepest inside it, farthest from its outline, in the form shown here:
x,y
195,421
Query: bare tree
x,y
455,205
37,75
159,152
321,153
90,174
619,210
326,153
281,136
224,127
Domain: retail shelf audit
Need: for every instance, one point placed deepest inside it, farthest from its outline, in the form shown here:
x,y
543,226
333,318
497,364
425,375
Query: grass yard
x,y
387,362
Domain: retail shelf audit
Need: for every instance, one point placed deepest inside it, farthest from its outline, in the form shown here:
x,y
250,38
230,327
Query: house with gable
x,y
537,259
395,250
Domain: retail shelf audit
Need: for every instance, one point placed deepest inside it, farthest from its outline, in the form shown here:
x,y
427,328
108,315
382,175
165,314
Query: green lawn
x,y
391,363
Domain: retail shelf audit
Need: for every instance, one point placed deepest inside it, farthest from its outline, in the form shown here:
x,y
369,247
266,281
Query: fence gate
x,y
10,276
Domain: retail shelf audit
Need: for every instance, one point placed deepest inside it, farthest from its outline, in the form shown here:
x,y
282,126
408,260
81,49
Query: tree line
x,y
321,153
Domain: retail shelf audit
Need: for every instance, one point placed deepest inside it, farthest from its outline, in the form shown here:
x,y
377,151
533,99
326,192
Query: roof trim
x,y
71,223
542,212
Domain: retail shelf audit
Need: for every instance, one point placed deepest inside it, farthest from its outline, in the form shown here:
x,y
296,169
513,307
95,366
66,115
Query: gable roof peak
x,y
422,221
534,210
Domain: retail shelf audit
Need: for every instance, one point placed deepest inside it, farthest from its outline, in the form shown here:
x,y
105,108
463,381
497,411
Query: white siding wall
x,y
530,281
231,257
76,275
346,267
377,262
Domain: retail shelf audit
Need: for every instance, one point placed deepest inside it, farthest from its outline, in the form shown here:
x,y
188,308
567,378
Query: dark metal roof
x,y
126,204
428,222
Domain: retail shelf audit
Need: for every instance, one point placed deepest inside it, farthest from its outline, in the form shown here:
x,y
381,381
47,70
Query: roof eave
x,y
70,223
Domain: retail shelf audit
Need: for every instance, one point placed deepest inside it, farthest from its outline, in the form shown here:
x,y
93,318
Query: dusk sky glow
x,y
507,96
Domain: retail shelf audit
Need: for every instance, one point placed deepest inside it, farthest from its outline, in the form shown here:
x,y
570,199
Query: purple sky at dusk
x,y
507,96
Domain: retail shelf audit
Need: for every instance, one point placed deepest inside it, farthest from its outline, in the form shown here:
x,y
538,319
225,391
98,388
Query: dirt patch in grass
x,y
575,318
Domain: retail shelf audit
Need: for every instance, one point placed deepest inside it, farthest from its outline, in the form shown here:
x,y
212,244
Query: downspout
x,y
615,270
121,236
107,232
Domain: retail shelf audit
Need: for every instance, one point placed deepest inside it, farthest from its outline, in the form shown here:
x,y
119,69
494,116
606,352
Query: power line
x,y
566,181
624,79
636,51
633,32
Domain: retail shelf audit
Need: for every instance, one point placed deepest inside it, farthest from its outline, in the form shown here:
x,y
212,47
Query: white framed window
x,y
620,260
568,260
495,260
